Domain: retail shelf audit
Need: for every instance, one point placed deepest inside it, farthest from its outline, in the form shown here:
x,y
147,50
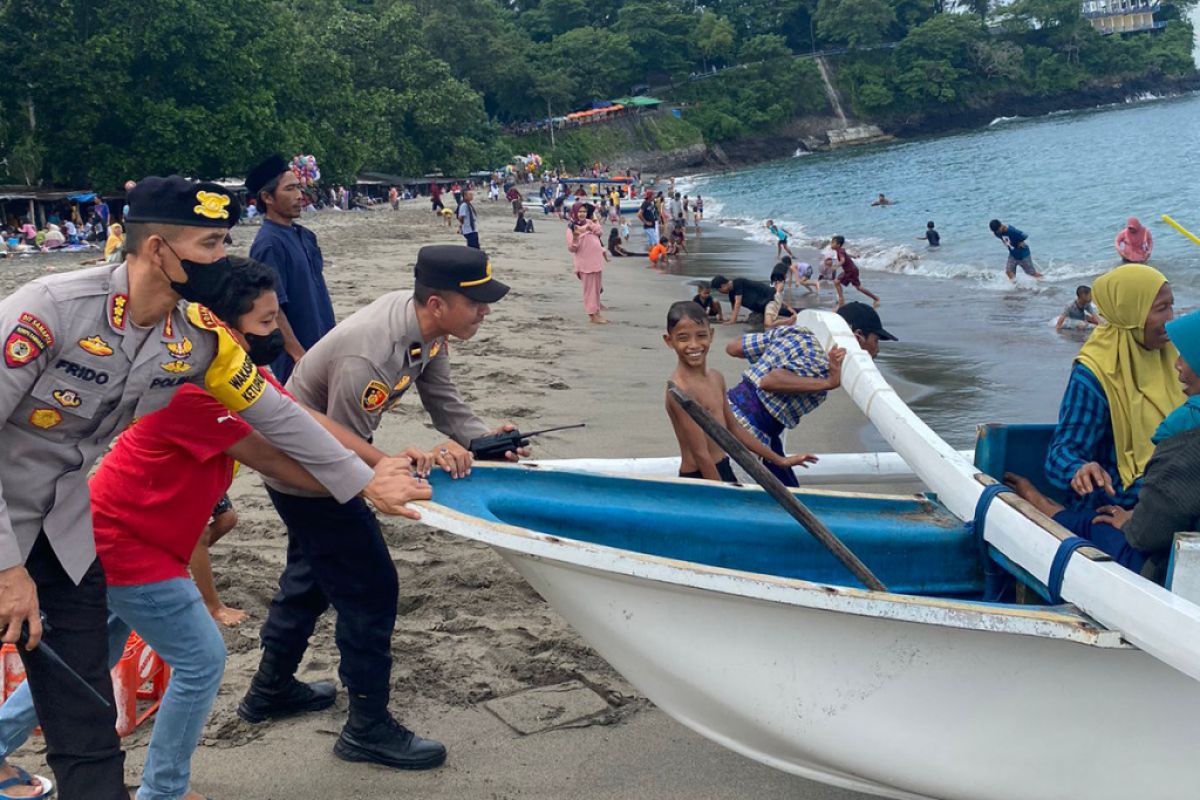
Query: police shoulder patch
x,y
374,396
41,328
20,348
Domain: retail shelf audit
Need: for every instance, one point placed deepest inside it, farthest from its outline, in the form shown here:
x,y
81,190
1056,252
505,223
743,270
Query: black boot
x,y
274,692
375,736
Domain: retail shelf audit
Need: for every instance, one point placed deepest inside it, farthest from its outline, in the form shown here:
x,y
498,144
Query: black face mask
x,y
265,349
206,283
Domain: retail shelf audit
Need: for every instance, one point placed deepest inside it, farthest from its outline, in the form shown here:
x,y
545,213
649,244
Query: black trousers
x,y
336,556
82,746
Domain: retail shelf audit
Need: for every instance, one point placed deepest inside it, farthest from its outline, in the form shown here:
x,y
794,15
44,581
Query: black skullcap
x,y
264,172
461,269
175,200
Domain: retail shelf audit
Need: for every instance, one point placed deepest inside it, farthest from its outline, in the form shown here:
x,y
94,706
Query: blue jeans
x,y
1107,538
170,616
651,237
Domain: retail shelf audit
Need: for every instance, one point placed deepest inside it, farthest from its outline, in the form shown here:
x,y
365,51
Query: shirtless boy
x,y
690,336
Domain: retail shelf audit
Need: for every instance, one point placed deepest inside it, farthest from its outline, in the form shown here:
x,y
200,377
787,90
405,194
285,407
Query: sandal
x,y
23,778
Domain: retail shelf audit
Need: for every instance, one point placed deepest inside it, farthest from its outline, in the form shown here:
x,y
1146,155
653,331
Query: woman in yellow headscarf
x,y
1122,387
116,238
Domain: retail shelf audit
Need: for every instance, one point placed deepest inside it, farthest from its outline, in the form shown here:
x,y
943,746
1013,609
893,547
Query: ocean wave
x,y
1004,120
875,255
756,229
901,259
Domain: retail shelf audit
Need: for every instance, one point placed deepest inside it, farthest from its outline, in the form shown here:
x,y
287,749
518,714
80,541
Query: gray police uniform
x,y
365,365
77,372
336,553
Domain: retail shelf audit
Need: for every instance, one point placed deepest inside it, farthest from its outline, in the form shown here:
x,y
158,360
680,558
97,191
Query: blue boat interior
x,y
912,543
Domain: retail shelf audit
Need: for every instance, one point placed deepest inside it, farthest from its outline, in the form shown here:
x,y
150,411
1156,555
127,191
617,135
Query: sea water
x,y
983,349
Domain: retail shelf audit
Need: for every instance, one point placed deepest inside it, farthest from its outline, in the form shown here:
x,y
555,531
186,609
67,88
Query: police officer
x,y
85,353
359,370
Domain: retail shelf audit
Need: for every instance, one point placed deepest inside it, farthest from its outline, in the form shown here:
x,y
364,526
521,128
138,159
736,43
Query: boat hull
x,y
885,706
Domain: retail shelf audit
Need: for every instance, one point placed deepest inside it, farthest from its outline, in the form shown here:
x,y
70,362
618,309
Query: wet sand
x,y
470,629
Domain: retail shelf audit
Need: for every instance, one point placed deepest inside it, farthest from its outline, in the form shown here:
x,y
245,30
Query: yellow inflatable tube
x,y
1195,239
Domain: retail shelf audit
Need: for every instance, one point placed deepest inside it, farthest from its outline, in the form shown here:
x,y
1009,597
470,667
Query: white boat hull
x,y
894,695
896,709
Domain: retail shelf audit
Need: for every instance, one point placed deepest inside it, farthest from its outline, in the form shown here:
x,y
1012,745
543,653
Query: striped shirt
x,y
1084,434
794,349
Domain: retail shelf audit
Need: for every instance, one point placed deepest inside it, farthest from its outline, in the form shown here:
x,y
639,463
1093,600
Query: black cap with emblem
x,y
861,317
264,172
458,268
174,200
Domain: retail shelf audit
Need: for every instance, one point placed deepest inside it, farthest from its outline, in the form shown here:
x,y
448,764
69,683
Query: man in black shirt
x,y
743,292
648,214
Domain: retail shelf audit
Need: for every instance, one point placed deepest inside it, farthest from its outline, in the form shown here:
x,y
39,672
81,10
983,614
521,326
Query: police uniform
x,y
336,553
76,372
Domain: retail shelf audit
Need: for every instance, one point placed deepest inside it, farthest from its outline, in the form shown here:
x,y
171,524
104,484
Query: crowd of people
x,y
225,359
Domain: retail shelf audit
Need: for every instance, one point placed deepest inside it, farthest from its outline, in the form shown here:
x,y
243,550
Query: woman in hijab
x,y
1134,242
1167,501
1121,388
116,239
587,251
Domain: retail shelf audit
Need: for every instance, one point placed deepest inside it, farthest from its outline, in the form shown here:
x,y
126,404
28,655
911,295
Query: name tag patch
x,y
81,372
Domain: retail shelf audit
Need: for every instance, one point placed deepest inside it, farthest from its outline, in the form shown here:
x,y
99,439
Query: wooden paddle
x,y
774,487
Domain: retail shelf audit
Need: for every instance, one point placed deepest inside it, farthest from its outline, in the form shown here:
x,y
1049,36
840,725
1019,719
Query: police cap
x,y
264,172
174,200
458,268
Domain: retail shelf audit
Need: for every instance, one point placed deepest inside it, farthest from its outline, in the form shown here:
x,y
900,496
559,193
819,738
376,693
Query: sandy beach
x,y
471,630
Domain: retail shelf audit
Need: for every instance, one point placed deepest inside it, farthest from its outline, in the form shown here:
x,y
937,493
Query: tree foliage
x,y
99,91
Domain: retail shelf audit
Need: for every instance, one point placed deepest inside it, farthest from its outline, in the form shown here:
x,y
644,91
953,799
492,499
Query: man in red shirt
x,y
177,462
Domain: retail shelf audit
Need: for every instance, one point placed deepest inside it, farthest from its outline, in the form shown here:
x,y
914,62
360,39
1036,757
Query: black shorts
x,y
436,202
724,469
223,505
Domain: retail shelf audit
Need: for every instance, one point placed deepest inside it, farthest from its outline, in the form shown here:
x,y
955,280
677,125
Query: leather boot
x,y
373,735
274,692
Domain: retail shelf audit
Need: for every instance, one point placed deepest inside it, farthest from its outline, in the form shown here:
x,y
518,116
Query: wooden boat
x,y
734,621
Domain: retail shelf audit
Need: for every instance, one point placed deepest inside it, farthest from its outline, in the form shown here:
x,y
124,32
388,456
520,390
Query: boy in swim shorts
x,y
849,276
782,235
690,336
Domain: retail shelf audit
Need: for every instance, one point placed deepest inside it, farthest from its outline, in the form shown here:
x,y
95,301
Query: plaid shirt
x,y
1084,434
790,348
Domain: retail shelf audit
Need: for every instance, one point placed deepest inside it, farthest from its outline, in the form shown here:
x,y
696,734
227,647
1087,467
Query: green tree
x,y
713,38
484,46
598,62
657,31
554,17
856,23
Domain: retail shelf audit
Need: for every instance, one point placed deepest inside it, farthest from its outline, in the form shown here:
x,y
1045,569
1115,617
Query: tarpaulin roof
x,y
39,193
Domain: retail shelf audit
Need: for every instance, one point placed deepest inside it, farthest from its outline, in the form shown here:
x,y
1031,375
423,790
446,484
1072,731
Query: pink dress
x,y
587,250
